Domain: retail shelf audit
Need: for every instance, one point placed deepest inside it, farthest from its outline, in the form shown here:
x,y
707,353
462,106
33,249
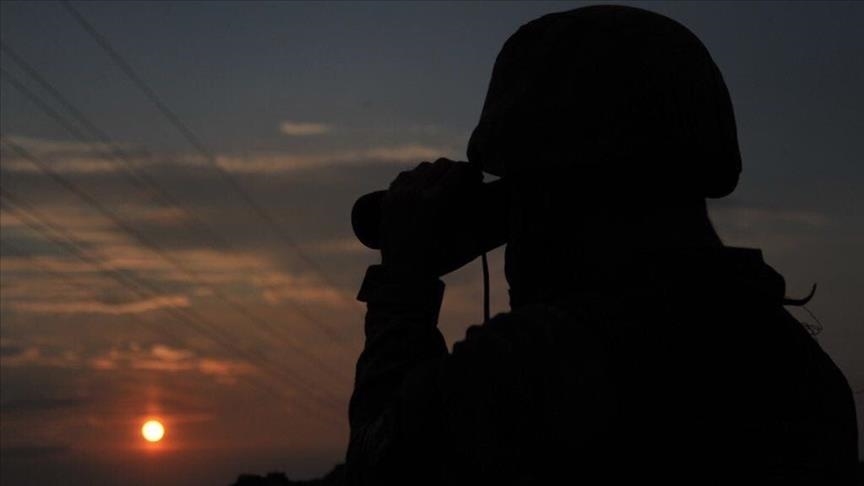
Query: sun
x,y
153,431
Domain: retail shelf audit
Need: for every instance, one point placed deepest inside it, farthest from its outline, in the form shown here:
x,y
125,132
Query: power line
x,y
164,330
193,320
135,177
152,246
41,225
144,290
211,159
193,140
48,110
197,322
138,178
126,281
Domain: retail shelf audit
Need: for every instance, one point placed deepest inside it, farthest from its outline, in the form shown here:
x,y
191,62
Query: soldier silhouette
x,y
638,346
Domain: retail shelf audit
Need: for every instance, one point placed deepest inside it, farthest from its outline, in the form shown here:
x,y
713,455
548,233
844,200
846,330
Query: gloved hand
x,y
426,219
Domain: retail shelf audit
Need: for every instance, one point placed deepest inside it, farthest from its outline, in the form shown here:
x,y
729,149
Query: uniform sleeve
x,y
420,415
397,371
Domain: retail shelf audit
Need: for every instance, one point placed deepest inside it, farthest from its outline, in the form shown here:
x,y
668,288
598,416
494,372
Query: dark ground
x,y
336,477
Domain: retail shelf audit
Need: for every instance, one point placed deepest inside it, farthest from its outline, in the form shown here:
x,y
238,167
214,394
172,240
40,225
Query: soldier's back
x,y
690,371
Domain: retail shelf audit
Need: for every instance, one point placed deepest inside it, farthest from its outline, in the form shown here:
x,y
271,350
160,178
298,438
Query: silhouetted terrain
x,y
336,477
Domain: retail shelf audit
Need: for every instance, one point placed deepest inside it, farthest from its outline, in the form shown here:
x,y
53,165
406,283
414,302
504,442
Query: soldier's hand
x,y
423,225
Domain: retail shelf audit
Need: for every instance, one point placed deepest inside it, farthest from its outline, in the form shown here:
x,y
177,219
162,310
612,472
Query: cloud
x,y
277,287
172,216
89,291
777,229
158,358
303,129
163,358
36,263
67,158
87,226
49,147
76,165
219,368
754,217
96,307
411,154
341,246
168,353
33,356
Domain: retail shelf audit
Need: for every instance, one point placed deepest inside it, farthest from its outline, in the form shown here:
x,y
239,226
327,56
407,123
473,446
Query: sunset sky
x,y
206,278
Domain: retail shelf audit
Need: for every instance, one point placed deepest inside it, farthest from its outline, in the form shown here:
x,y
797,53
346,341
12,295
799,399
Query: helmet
x,y
612,90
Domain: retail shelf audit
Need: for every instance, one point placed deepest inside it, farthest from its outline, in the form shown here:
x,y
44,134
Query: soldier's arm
x,y
401,339
397,407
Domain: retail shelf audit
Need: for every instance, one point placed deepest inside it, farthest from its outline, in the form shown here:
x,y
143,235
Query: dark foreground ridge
x,y
335,477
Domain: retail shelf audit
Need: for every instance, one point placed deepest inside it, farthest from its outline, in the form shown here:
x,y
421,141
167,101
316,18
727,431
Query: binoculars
x,y
480,219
